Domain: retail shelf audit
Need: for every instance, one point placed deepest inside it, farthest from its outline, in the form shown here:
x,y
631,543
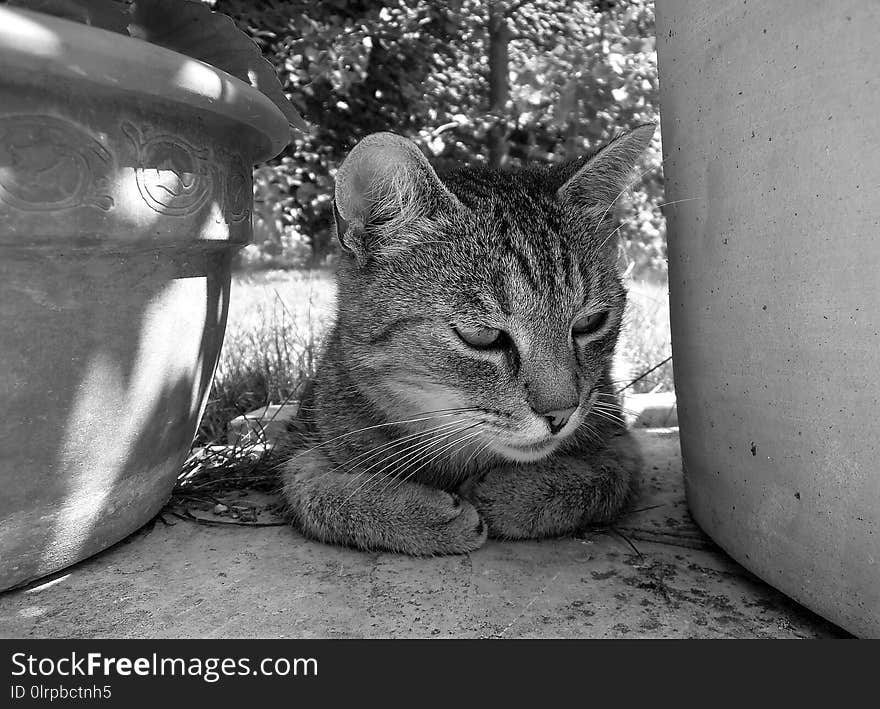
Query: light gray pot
x,y
771,127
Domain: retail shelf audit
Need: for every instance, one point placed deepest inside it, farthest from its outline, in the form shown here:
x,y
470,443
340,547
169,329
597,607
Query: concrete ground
x,y
654,576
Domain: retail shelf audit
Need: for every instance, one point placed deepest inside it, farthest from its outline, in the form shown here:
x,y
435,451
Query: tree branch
x,y
445,127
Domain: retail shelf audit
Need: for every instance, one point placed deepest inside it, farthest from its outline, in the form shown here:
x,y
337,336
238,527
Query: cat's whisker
x,y
608,417
391,476
393,443
419,454
413,448
607,407
482,450
592,432
476,452
387,464
370,453
606,398
623,224
425,438
606,401
445,412
613,400
678,201
457,442
622,192
608,238
366,455
414,451
609,402
615,415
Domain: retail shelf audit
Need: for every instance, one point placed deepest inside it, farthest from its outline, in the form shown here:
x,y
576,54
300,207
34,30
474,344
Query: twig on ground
x,y
644,374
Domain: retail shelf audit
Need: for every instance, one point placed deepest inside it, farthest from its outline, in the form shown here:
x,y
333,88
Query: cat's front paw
x,y
552,498
452,525
501,504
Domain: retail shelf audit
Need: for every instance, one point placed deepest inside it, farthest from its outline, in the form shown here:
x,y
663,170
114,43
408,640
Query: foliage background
x,y
474,81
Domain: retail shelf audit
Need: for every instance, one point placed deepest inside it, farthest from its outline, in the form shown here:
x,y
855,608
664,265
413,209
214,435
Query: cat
x,y
465,390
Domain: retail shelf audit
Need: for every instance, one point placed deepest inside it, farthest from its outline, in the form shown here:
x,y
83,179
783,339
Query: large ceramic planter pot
x,y
125,189
771,118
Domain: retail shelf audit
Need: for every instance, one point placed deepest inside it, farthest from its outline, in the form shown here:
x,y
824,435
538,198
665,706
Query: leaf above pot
x,y
185,26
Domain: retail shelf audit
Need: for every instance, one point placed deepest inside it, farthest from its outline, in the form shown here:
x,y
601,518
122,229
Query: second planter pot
x,y
125,189
770,126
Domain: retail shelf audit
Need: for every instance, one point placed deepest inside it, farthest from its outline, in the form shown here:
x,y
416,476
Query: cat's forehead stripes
x,y
533,267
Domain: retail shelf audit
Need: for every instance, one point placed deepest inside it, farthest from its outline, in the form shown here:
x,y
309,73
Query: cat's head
x,y
487,302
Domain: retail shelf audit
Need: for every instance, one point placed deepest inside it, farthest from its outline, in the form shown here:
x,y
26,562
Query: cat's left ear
x,y
386,196
600,181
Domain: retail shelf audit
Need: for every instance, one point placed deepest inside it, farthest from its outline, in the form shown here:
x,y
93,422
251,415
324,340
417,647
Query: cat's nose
x,y
557,418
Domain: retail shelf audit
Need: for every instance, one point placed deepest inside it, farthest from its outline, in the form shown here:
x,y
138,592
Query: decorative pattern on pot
x,y
48,164
173,176
239,190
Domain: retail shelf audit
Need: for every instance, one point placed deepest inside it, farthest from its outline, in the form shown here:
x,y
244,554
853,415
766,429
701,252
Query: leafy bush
x,y
468,80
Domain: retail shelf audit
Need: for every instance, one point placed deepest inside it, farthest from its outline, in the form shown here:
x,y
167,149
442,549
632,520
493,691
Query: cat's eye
x,y
480,338
589,324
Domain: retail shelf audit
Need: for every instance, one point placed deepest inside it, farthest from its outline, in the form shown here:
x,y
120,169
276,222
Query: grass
x,y
276,323
645,340
275,326
277,320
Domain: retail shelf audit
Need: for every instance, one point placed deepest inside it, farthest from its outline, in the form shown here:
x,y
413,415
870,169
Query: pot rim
x,y
37,44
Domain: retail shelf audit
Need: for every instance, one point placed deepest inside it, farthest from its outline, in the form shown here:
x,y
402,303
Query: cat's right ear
x,y
603,177
386,196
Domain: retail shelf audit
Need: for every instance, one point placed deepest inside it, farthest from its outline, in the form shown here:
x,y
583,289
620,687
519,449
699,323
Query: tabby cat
x,y
465,389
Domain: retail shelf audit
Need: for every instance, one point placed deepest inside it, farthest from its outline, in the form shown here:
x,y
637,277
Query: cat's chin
x,y
528,453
